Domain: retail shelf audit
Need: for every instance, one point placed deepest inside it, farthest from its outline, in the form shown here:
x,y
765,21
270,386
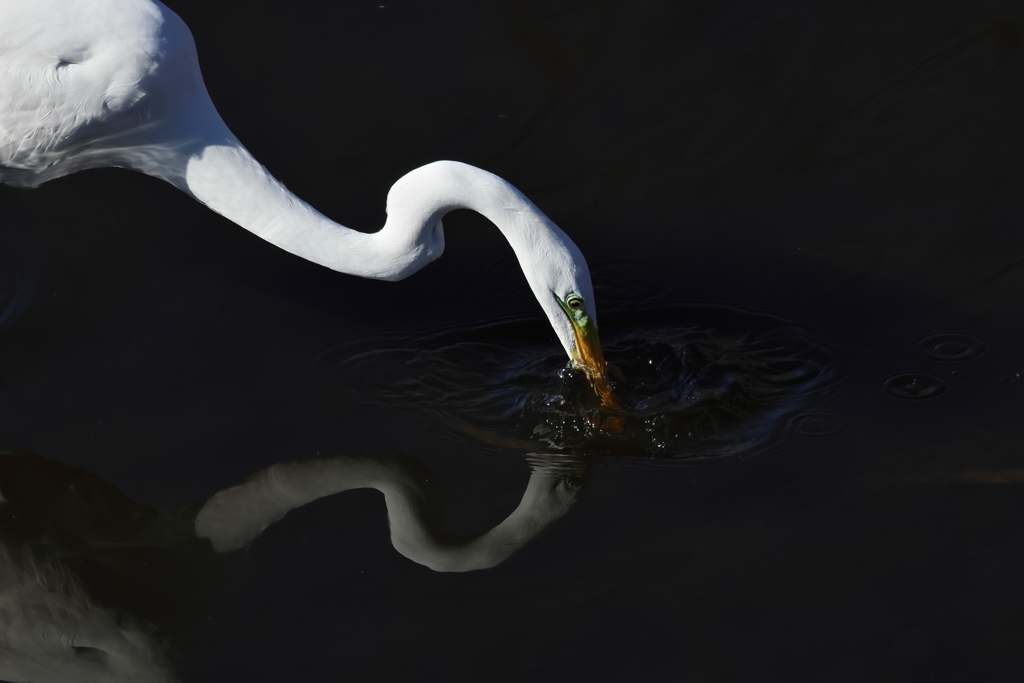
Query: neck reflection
x,y
96,587
232,518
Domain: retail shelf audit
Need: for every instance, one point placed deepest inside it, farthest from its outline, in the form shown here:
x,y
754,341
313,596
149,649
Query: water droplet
x,y
1012,378
818,425
951,347
914,386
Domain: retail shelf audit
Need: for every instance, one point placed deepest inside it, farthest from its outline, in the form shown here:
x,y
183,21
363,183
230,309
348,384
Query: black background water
x,y
853,167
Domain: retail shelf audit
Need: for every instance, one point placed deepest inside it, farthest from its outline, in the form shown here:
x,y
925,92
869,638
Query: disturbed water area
x,y
814,481
703,382
825,483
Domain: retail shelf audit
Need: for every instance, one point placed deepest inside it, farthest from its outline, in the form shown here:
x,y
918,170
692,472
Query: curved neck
x,y
225,176
198,154
234,517
213,166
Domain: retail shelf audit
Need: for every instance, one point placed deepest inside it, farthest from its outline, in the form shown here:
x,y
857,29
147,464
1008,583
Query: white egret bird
x,y
91,83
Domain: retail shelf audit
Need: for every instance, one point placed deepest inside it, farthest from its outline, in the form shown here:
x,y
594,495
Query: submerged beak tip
x,y
588,355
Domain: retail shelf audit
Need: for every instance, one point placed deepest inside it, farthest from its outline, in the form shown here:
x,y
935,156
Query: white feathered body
x,y
89,83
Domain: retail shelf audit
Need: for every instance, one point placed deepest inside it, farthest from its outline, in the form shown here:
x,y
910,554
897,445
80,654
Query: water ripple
x,y
951,347
695,382
914,386
818,425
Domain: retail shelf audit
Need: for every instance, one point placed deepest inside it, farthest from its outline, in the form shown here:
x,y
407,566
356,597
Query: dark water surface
x,y
804,223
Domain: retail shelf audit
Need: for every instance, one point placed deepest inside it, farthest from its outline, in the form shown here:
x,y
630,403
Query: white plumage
x,y
91,83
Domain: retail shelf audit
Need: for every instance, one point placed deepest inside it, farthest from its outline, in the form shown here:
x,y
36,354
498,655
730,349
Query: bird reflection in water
x,y
97,587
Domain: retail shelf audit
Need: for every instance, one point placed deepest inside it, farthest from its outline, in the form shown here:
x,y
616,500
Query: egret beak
x,y
588,355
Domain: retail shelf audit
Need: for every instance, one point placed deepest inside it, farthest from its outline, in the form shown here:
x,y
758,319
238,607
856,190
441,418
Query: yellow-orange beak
x,y
589,356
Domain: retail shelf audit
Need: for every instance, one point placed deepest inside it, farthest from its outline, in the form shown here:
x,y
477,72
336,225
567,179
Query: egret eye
x,y
574,302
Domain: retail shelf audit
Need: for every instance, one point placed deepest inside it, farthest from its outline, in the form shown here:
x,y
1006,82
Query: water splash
x,y
694,381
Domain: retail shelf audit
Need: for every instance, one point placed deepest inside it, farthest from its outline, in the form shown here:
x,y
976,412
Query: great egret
x,y
117,83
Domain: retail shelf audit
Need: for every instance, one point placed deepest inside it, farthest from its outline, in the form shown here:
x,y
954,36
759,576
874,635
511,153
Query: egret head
x,y
584,346
567,297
